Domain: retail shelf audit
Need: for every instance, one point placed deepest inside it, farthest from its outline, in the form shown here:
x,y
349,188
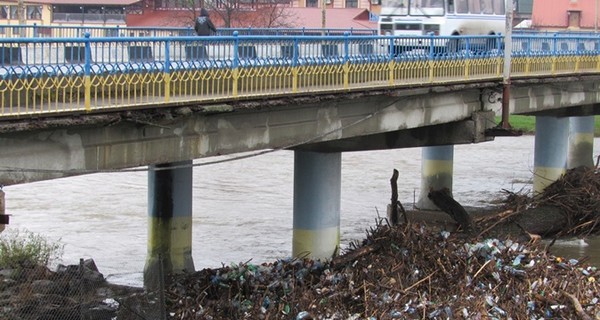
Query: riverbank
x,y
527,124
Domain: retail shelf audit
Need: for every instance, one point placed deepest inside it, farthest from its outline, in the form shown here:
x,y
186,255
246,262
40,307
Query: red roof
x,y
334,18
295,18
161,18
554,13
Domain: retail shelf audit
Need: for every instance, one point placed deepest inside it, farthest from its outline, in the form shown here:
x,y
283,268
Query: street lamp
x,y
82,16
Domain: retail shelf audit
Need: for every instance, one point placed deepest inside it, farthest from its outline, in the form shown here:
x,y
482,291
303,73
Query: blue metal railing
x,y
58,56
41,75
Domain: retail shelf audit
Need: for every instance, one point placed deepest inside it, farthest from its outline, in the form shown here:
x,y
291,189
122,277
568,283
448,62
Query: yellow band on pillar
x,y
545,176
316,244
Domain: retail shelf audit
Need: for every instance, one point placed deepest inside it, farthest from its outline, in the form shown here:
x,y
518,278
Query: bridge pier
x,y
581,142
169,221
550,152
437,166
317,189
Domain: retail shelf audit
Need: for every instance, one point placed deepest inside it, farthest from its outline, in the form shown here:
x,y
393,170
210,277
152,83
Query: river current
x,y
242,209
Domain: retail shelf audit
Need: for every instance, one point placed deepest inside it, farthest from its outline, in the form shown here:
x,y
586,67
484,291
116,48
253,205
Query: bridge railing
x,y
53,75
35,31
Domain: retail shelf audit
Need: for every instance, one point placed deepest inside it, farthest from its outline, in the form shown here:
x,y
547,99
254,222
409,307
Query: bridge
x,y
78,105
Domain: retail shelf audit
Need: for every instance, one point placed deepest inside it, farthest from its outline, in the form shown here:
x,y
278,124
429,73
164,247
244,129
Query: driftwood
x,y
341,261
568,207
443,200
577,306
395,207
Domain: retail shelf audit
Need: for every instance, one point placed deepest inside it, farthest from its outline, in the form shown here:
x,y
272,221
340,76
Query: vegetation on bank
x,y
527,124
24,249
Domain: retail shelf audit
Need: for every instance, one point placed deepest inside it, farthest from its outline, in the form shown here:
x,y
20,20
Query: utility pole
x,y
323,15
506,72
21,16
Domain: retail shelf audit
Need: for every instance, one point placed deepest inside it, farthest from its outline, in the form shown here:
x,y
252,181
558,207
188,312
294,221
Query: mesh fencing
x,y
75,292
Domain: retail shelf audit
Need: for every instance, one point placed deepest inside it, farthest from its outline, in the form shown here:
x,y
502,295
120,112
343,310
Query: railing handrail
x,y
46,74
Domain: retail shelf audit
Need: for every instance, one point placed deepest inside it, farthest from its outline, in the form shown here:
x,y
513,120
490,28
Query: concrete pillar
x,y
169,221
317,189
581,142
437,166
550,158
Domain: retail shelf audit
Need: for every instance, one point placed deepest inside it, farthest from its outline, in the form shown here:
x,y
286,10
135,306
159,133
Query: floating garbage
x,y
400,272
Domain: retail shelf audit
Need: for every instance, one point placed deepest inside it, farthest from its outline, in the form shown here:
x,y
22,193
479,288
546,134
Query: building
x,y
522,11
560,15
177,13
64,12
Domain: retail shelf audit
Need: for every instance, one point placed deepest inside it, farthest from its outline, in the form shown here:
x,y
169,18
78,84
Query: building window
x,y
176,4
4,12
312,3
351,3
34,12
14,12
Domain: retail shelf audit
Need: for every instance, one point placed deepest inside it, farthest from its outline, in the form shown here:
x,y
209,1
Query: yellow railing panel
x,y
63,93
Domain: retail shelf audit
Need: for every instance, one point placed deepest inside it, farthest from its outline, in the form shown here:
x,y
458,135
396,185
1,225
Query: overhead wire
x,y
7,169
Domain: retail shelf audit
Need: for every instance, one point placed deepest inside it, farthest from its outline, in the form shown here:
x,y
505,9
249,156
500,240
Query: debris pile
x,y
576,195
414,271
569,207
397,272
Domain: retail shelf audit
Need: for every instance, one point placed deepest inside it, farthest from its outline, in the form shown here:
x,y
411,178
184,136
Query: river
x,y
242,209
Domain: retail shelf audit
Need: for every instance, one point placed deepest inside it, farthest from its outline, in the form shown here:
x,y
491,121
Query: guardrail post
x,y
87,84
499,61
554,50
577,55
528,57
391,63
597,53
346,60
295,58
468,58
167,71
431,55
236,62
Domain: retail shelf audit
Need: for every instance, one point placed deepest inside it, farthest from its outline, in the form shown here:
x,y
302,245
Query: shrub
x,y
25,249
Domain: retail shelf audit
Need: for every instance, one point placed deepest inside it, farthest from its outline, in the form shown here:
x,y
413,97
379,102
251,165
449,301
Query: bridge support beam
x,y
169,221
317,189
437,166
550,155
581,142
